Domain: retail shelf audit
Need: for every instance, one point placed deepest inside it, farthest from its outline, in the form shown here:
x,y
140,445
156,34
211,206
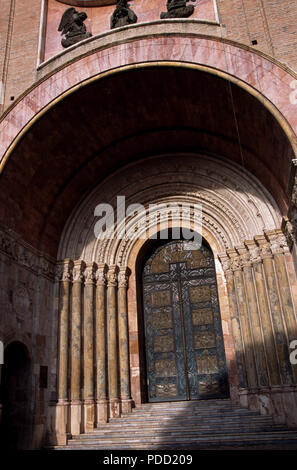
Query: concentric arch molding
x,y
235,206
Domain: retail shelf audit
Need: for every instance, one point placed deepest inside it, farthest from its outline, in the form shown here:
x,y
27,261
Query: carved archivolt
x,y
235,206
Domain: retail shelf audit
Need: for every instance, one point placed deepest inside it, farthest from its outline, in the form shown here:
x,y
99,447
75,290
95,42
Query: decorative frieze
x,y
26,256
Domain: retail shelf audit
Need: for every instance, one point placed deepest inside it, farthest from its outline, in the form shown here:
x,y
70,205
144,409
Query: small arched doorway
x,y
184,349
15,388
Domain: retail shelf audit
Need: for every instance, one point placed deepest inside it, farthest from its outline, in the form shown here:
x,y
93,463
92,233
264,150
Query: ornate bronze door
x,y
183,335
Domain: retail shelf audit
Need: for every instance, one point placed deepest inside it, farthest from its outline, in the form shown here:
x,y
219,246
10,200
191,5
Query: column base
x,y
102,411
264,401
88,415
126,405
278,412
114,408
243,398
290,406
253,401
75,418
57,431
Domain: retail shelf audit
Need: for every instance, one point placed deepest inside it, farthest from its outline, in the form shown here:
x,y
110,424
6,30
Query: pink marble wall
x,y
98,19
272,81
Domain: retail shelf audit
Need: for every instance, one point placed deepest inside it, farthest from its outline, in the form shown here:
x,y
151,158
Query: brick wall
x,y
272,23
21,51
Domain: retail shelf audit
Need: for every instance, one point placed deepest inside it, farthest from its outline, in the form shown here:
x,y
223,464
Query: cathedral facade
x,y
124,128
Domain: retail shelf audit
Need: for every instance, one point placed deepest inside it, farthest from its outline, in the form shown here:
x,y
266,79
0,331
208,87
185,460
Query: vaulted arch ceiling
x,y
128,116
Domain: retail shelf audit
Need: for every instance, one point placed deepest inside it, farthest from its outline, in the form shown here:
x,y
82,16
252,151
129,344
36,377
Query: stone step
x,y
186,425
257,421
173,433
157,413
180,424
254,438
194,419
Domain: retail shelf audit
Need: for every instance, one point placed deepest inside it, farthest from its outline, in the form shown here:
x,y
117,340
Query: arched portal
x,y
16,390
185,356
99,278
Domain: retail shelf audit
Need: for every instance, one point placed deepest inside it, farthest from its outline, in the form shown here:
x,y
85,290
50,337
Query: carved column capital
x,y
112,275
123,277
244,256
264,246
78,271
63,271
225,262
254,251
278,241
101,277
235,260
90,273
289,228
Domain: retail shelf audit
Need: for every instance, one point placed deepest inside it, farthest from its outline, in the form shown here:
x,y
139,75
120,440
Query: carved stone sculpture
x,y
122,15
178,9
72,25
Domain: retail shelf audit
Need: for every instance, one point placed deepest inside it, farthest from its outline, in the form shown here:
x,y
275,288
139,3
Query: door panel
x,y
183,336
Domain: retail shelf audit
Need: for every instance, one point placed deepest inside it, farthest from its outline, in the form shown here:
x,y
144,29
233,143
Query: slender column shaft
x,y
76,349
114,401
235,321
65,278
244,322
275,309
88,347
253,312
286,301
271,354
101,373
126,402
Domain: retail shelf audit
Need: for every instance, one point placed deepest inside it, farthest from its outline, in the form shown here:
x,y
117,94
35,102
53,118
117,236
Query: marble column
x,y
88,348
235,322
242,303
76,349
278,246
126,402
101,358
112,341
64,276
254,317
275,309
264,313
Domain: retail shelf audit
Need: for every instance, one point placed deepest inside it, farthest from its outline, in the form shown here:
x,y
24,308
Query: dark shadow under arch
x,y
16,391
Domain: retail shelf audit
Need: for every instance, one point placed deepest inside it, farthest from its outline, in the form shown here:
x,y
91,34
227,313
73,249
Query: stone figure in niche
x,y
178,9
72,25
122,15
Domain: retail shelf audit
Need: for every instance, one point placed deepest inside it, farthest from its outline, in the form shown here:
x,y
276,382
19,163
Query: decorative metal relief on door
x,y
183,335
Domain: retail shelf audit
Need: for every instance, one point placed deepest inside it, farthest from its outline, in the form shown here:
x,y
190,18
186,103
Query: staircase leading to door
x,y
209,424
